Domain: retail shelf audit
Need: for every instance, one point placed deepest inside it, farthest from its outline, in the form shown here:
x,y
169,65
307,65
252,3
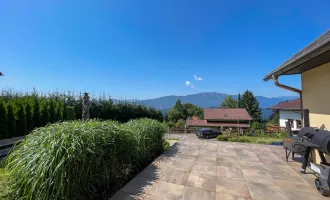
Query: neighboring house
x,y
313,63
217,117
289,111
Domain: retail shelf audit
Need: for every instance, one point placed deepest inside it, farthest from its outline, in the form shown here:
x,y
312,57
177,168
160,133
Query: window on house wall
x,y
298,123
291,122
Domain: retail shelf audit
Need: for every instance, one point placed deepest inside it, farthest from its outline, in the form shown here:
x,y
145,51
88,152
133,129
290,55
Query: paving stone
x,y
190,193
229,161
220,196
138,186
164,190
173,175
303,195
206,159
259,177
125,196
246,155
184,164
253,166
261,192
230,172
204,168
225,151
232,187
202,181
284,172
295,185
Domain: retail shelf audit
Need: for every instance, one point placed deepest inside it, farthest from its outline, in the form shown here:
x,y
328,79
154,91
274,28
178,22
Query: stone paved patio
x,y
207,169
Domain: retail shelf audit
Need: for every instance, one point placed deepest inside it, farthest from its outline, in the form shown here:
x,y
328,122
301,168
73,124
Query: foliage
x,y
76,160
183,112
3,120
70,114
256,140
239,101
24,112
180,124
193,110
229,102
274,118
251,104
4,178
166,144
223,137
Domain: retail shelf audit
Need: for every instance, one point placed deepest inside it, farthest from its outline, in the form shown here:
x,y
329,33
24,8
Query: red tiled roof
x,y
288,105
217,124
226,114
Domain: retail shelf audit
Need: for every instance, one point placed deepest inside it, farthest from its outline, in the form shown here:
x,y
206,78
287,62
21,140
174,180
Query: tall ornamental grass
x,y
76,160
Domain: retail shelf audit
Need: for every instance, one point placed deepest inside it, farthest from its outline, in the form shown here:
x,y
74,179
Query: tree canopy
x,y
229,102
183,111
251,104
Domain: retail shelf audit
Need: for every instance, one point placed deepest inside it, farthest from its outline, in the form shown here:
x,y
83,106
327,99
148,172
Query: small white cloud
x,y
182,70
198,78
188,83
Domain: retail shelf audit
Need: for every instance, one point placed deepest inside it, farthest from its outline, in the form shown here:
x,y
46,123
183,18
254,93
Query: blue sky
x,y
144,49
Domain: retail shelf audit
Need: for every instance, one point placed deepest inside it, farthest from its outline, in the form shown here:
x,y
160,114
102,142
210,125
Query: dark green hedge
x,y
21,113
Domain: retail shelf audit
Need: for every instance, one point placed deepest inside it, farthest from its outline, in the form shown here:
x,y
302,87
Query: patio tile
x,y
220,196
303,195
225,151
271,159
194,152
183,164
295,185
261,192
230,172
173,175
253,166
204,168
163,190
138,186
232,187
246,155
284,172
190,193
202,181
153,172
206,159
208,153
124,196
259,177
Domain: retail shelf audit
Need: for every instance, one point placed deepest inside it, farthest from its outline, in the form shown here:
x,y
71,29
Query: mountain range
x,y
211,100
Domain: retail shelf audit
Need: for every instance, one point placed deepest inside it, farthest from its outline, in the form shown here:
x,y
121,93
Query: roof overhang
x,y
314,55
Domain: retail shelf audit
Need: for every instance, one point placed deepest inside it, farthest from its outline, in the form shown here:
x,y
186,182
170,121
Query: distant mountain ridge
x,y
211,99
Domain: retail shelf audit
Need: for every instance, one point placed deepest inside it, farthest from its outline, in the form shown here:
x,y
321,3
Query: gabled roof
x,y
205,123
313,55
288,105
226,114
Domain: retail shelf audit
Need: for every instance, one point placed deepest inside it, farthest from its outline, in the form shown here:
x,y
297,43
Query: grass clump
x,y
76,160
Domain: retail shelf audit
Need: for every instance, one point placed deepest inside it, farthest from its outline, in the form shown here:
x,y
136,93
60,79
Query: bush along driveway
x,y
209,170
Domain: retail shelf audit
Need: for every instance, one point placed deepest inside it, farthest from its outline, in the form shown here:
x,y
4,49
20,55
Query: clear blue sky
x,y
144,49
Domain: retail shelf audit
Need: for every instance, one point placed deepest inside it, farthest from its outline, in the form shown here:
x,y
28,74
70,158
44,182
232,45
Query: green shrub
x,y
223,137
3,120
238,139
166,145
29,117
149,135
20,119
70,113
75,160
11,123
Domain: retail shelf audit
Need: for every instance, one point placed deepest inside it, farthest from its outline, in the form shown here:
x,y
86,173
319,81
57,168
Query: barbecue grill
x,y
307,139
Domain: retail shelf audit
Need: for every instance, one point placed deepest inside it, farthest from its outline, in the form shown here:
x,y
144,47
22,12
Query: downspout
x,y
275,79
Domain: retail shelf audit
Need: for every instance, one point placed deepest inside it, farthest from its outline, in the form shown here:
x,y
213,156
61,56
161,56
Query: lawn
x,y
259,139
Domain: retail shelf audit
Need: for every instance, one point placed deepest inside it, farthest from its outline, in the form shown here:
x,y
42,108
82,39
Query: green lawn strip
x,y
254,139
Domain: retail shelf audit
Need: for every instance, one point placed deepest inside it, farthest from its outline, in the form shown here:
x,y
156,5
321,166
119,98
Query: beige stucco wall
x,y
316,95
316,98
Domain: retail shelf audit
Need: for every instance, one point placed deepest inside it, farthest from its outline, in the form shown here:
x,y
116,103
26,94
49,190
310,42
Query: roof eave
x,y
301,63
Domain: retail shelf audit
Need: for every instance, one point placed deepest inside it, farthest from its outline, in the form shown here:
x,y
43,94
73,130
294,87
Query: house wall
x,y
316,98
316,95
288,114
